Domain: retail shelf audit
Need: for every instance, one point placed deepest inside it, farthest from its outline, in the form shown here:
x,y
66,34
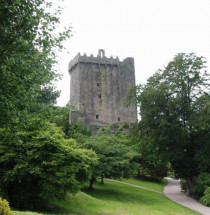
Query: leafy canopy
x,y
37,164
115,155
174,107
27,55
36,160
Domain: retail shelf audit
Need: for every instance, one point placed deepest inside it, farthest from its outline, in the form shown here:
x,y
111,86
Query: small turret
x,y
101,53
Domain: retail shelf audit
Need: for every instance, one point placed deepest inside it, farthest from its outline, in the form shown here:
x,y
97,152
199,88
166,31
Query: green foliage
x,y
79,132
174,105
38,165
28,53
202,181
58,116
206,198
201,121
4,207
106,130
115,156
149,159
35,159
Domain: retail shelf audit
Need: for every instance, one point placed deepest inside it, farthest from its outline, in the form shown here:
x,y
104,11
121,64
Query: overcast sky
x,y
151,31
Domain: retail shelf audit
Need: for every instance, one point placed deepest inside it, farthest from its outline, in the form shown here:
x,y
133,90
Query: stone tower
x,y
98,88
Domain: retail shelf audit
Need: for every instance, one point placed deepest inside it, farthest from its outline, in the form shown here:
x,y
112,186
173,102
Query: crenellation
x,y
91,59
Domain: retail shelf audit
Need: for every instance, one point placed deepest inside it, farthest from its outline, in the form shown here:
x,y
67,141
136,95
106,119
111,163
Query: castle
x,y
98,88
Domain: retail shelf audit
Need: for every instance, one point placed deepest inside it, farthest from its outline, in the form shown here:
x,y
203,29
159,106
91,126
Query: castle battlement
x,y
99,59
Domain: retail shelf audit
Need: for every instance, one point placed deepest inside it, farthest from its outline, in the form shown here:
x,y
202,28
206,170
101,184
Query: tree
x,y
115,156
59,116
35,159
27,55
38,165
172,106
79,132
149,160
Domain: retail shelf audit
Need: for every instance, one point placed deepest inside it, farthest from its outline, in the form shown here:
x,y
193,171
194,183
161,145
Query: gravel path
x,y
173,192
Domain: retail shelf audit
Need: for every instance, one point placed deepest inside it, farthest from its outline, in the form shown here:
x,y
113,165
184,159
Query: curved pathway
x,y
173,192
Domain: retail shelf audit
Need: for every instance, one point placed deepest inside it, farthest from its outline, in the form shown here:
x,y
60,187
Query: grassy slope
x,y
24,213
159,186
118,199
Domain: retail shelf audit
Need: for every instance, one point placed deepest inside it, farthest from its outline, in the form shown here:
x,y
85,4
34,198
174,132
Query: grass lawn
x,y
25,213
117,199
155,185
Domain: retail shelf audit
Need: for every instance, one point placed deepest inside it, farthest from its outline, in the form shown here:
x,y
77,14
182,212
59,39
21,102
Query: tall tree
x,y
27,56
35,159
172,105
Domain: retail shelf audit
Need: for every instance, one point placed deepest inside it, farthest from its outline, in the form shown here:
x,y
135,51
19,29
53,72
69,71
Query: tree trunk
x,y
139,172
189,186
92,180
102,178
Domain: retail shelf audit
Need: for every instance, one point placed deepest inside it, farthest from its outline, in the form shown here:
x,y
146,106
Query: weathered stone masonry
x,y
98,88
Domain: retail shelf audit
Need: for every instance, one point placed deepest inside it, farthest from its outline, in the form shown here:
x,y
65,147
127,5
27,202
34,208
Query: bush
x,y
206,198
38,165
152,166
202,181
4,207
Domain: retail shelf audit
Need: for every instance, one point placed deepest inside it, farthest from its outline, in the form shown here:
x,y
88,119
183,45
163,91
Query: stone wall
x,y
99,86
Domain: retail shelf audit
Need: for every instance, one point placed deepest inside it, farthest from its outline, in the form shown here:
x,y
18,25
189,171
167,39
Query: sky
x,y
150,31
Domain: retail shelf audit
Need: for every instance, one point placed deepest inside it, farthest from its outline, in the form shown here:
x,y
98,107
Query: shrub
x,y
4,207
202,181
206,198
38,165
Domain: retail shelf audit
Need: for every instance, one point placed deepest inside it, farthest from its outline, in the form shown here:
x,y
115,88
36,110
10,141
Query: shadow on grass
x,y
48,209
122,193
105,196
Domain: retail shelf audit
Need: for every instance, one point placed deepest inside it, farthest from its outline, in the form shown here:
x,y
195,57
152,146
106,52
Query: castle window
x,y
118,119
98,84
99,96
97,116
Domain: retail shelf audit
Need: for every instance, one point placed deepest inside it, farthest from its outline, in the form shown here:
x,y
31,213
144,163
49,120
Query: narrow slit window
x,y
118,119
97,116
99,96
98,84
